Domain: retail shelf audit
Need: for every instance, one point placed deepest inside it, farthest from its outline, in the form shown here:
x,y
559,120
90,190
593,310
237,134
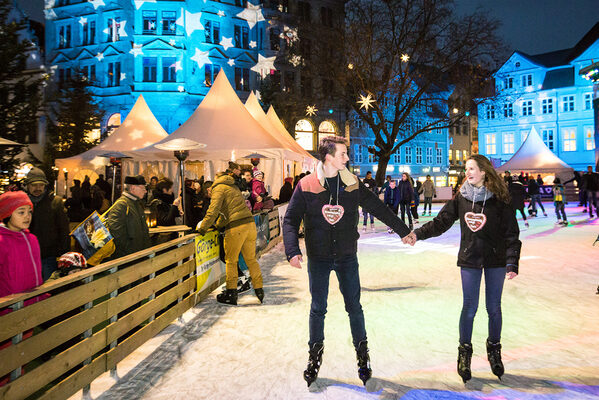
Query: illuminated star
x,y
252,44
97,3
311,111
172,42
136,134
201,57
178,66
252,14
220,13
83,20
122,32
226,42
231,62
405,58
192,22
123,76
180,88
366,102
100,56
264,64
50,14
295,60
139,3
136,50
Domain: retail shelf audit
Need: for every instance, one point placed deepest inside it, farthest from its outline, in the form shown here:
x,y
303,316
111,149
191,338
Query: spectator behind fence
x,y
104,185
286,191
164,203
240,235
50,223
126,219
258,191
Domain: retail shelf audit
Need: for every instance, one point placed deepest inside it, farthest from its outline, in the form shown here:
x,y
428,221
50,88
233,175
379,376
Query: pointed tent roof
x,y
253,106
140,129
534,156
224,125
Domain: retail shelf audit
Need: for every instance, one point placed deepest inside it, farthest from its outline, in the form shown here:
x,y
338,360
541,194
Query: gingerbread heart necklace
x,y
476,221
333,213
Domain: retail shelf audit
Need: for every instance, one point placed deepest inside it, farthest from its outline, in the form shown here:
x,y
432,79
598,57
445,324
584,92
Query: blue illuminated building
x,y
546,92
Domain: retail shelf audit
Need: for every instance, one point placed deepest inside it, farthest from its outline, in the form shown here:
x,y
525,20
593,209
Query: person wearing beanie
x,y
126,220
286,191
258,191
50,223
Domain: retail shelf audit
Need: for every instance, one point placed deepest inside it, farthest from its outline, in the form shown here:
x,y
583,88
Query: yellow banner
x,y
207,256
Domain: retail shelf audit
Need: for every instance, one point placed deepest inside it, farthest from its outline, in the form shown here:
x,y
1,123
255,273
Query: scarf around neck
x,y
475,194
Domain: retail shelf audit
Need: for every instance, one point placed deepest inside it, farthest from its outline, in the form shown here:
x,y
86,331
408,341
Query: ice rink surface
x,y
412,300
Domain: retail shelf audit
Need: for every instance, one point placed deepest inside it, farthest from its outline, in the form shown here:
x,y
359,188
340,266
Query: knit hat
x,y
257,172
135,180
71,262
35,175
10,201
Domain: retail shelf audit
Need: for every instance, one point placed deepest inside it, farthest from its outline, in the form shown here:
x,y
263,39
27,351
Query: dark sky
x,y
531,26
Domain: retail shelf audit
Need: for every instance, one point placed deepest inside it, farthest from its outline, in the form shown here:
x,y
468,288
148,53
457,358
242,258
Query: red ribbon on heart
x,y
332,214
475,221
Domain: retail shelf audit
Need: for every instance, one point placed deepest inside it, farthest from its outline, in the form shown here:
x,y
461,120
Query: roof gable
x,y
517,62
591,52
157,44
245,57
84,54
60,57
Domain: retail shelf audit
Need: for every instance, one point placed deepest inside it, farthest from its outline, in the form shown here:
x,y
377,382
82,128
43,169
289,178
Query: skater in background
x,y
590,182
327,201
535,197
416,186
559,200
517,195
428,191
370,183
406,196
391,199
489,245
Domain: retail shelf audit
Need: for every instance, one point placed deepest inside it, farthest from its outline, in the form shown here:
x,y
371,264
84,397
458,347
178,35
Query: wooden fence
x,y
96,317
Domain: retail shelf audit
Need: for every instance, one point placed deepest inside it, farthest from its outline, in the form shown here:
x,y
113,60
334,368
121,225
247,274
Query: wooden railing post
x,y
153,295
87,334
16,339
113,318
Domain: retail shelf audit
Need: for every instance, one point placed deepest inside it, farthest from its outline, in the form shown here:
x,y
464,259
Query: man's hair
x,y
368,172
428,176
164,183
328,145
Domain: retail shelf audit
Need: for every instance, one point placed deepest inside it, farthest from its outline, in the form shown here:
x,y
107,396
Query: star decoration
x,y
405,58
97,3
226,42
139,3
220,13
252,44
83,20
366,101
136,134
311,111
172,42
231,62
201,57
192,22
252,14
136,50
264,65
123,76
178,66
180,88
50,14
295,60
121,26
100,56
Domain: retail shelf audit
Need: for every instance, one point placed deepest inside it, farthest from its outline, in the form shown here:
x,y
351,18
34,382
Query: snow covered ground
x,y
411,299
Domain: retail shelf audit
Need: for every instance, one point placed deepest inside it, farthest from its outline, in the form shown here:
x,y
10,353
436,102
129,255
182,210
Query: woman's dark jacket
x,y
392,197
166,212
495,245
406,191
517,193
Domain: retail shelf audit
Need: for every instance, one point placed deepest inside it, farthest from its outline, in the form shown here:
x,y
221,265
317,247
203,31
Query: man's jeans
x,y
319,272
534,200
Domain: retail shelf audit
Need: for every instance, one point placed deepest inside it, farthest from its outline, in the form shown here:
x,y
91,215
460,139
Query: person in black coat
x,y
489,244
391,198
164,203
286,191
406,196
517,194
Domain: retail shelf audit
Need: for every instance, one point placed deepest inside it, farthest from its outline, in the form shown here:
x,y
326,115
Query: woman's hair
x,y
493,182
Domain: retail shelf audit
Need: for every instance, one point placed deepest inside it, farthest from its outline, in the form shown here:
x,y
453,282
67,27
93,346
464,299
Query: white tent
x,y
140,129
229,131
534,156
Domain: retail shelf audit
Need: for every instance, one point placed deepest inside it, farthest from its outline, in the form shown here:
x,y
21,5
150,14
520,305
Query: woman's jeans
x,y
471,277
428,201
319,271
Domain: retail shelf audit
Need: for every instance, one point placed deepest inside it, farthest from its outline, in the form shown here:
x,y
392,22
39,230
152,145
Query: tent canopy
x,y
535,157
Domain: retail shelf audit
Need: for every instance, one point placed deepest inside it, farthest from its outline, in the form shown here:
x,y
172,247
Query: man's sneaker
x,y
544,213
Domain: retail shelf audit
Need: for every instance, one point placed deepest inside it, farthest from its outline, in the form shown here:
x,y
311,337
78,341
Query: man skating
x,y
327,201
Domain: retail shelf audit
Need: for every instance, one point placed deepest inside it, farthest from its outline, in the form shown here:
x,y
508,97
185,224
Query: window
x,y
569,135
527,80
210,73
304,134
64,36
239,3
114,24
464,155
149,69
588,101
88,34
64,75
242,79
242,37
149,22
508,110
397,156
169,69
114,74
527,107
326,16
358,154
418,155
370,157
169,25
89,72
275,39
408,155
508,82
450,156
548,139
439,156
567,103
212,30
491,143
490,111
457,157
508,143
429,155
589,139
303,11
547,106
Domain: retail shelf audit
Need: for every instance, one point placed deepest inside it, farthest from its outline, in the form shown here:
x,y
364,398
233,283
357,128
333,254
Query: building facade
x,y
546,92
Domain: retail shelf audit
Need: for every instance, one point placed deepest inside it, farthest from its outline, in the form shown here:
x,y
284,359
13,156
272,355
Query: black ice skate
x,y
314,361
464,358
243,284
259,294
364,370
494,356
229,296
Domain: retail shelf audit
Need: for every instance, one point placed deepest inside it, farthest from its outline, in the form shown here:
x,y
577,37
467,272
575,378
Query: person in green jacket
x,y
227,205
126,220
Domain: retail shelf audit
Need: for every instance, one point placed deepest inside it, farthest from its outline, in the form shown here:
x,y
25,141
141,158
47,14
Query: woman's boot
x,y
229,296
314,361
364,370
494,356
464,358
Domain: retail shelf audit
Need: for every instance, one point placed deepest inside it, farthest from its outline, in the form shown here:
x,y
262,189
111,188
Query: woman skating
x,y
489,244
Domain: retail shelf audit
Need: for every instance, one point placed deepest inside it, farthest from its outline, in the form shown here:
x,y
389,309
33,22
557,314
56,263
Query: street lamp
x,y
115,159
181,148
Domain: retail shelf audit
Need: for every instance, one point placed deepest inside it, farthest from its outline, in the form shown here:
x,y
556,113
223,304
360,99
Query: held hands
x,y
409,239
295,261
